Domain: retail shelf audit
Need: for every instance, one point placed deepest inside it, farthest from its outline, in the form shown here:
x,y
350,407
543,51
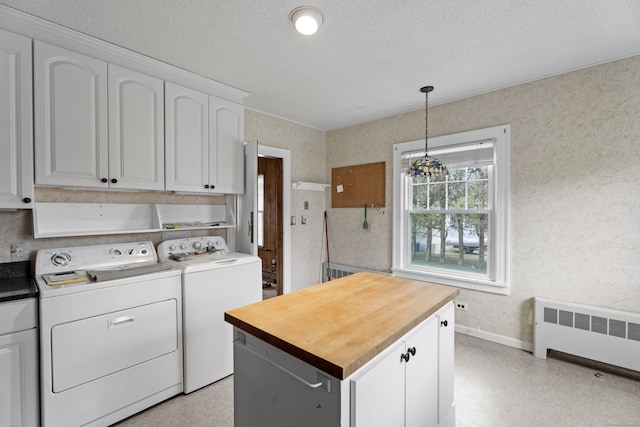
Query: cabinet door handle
x,y
412,350
104,180
26,200
115,181
406,356
206,186
444,323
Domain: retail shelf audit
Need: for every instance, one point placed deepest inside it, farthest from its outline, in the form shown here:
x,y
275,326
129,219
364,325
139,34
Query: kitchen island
x,y
364,350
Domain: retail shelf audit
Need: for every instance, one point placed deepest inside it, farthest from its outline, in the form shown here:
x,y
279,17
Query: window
x,y
260,216
454,229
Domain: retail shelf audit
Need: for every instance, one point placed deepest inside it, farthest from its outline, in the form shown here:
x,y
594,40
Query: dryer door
x,y
87,349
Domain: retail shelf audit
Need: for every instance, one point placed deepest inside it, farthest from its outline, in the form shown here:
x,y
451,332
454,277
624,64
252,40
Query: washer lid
x,y
211,262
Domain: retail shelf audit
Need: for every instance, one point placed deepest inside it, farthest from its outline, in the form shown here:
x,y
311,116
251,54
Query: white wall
x,y
575,175
307,148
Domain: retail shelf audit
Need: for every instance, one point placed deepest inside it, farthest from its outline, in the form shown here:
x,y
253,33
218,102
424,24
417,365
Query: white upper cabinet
x,y
136,130
187,139
97,125
16,136
71,146
226,128
204,142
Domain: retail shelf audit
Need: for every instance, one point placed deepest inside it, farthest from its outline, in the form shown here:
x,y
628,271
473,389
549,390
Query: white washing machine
x,y
111,341
214,280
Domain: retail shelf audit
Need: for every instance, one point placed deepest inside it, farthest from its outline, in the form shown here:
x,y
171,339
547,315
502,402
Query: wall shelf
x,y
310,186
88,219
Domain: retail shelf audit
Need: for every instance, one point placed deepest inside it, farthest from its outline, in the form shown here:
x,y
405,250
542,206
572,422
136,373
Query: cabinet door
x,y
226,129
16,163
71,147
422,376
377,393
187,139
19,379
446,341
136,130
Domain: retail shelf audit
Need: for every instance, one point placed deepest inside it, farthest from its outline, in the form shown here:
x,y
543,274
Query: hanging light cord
x,y
426,91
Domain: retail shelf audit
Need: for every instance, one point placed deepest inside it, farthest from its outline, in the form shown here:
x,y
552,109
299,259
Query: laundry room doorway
x,y
270,224
271,219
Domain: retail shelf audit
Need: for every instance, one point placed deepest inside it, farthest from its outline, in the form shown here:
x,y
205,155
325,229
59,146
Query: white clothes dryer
x,y
110,332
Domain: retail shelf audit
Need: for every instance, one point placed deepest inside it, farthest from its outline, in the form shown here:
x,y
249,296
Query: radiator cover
x,y
605,335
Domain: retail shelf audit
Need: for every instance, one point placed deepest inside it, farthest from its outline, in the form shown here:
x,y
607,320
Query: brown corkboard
x,y
359,184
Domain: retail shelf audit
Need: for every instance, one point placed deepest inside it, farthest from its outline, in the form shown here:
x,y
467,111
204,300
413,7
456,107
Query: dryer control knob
x,y
183,246
197,245
172,248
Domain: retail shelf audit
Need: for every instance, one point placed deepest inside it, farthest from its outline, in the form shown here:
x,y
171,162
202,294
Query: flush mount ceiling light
x,y
426,166
306,19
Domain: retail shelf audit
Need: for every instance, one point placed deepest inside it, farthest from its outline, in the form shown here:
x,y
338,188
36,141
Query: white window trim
x,y
500,230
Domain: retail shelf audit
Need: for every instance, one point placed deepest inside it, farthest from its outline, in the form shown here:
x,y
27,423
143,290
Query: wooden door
x,y
271,249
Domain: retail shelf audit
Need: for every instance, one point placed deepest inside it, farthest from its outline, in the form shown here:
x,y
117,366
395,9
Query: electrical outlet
x,y
18,250
461,305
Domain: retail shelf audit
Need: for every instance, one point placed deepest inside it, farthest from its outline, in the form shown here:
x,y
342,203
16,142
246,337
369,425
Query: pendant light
x,y
427,166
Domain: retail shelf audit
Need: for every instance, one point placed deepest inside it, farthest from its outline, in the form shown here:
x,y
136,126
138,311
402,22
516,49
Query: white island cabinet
x,y
412,380
365,350
97,125
16,163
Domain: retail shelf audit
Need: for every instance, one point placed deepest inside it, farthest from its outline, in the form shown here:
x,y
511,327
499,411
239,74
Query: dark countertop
x,y
16,281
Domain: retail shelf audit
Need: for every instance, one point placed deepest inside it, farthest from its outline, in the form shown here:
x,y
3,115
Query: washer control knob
x,y
197,245
60,259
131,251
144,251
183,246
116,252
172,248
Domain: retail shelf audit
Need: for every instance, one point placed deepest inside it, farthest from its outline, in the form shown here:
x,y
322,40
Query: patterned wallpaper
x,y
575,174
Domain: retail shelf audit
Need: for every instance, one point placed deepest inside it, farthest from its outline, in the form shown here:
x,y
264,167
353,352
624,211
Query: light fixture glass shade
x,y
306,19
427,166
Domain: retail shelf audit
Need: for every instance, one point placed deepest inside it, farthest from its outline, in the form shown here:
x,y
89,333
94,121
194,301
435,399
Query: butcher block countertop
x,y
340,325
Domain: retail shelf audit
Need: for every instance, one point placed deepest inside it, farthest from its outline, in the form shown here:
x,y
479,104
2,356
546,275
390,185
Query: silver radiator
x,y
604,335
341,270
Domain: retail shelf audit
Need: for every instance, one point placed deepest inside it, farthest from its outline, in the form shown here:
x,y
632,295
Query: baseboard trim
x,y
500,339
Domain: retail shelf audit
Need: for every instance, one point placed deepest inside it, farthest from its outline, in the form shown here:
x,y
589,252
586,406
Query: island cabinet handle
x,y
444,323
405,356
302,380
412,350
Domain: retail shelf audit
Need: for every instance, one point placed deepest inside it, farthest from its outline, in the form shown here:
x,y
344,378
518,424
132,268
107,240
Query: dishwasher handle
x,y
322,379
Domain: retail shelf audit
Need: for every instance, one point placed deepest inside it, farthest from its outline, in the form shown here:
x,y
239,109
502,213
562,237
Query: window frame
x,y
498,198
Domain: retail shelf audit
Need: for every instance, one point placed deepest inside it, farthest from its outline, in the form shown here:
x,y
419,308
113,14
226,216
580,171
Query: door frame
x,y
285,155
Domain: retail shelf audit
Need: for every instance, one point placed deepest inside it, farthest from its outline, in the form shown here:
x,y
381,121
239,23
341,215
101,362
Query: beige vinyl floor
x,y
495,386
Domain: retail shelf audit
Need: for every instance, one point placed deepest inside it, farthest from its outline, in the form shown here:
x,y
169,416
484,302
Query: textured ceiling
x,y
370,57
